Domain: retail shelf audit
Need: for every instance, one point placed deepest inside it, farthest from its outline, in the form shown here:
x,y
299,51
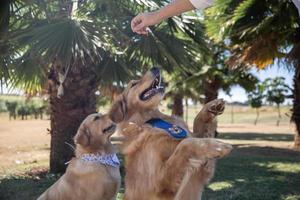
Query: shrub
x,y
23,111
2,106
12,109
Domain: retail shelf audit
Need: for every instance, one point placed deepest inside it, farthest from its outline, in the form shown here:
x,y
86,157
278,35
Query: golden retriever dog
x,y
205,124
162,159
94,173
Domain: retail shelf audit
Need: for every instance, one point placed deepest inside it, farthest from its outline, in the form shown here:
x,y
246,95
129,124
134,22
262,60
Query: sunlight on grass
x,y
240,180
291,197
120,196
220,185
20,168
281,167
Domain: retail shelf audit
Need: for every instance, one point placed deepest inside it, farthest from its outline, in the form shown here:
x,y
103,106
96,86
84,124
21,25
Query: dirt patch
x,y
24,141
28,141
260,128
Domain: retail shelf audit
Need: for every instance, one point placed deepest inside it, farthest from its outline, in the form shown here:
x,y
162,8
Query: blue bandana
x,y
173,130
107,159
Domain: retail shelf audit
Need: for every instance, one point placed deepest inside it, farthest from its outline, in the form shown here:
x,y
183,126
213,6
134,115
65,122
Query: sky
x,y
239,94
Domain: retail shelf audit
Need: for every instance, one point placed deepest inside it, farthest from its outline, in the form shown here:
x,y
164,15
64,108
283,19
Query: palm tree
x,y
67,49
255,99
260,32
178,89
276,91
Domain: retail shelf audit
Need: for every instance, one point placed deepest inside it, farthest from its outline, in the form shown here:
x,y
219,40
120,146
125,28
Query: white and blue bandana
x,y
107,159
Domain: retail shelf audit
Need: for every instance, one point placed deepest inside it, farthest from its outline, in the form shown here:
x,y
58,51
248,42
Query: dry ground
x,y
262,166
24,143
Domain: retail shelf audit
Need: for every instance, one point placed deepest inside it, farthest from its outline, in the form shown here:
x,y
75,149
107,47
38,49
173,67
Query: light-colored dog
x,y
162,159
94,173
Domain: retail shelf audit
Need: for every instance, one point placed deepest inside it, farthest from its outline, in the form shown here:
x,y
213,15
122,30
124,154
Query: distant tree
x,y
214,74
179,89
23,111
12,109
260,33
276,92
255,98
36,111
2,106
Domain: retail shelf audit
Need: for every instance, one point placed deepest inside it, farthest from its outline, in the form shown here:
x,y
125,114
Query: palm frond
x,y
260,29
27,75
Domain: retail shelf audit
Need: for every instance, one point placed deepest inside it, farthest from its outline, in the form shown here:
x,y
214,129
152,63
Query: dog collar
x,y
107,159
173,130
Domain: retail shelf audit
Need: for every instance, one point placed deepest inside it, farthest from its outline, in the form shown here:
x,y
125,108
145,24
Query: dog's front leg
x,y
205,124
190,156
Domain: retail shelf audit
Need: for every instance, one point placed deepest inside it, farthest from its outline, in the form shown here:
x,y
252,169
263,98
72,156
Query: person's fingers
x,y
144,31
140,27
140,23
141,31
136,22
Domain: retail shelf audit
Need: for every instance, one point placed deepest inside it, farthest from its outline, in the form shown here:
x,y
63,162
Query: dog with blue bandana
x,y
163,159
94,172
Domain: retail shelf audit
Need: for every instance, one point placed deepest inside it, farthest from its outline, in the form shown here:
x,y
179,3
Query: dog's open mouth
x,y
156,87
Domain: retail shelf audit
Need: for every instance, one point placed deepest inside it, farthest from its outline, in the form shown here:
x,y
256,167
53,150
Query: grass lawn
x,y
256,173
249,173
262,165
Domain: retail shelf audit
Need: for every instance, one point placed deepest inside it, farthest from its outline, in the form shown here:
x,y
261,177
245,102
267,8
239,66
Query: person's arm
x,y
176,7
201,4
297,4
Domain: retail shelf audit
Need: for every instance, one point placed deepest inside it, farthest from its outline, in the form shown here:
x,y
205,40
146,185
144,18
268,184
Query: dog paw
x,y
195,164
205,148
216,106
215,148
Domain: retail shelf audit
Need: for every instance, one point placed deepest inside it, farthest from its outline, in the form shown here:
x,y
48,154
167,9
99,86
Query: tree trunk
x,y
186,110
232,113
211,88
296,105
5,16
257,116
4,27
178,105
67,112
279,115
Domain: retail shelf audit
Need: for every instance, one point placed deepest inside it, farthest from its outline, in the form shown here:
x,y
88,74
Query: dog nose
x,y
155,71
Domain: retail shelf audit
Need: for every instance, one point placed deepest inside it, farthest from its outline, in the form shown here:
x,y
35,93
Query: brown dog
x,y
94,173
163,163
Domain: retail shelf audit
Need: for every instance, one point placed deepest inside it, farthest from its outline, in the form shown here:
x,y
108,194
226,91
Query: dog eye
x,y
109,129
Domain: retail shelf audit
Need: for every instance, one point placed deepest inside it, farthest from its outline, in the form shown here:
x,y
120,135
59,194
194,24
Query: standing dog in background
x,y
162,159
94,173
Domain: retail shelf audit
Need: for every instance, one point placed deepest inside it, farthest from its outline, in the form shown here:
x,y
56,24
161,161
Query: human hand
x,y
141,22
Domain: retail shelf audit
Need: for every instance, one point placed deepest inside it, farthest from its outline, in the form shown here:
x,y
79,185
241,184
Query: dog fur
x,y
159,167
205,124
84,180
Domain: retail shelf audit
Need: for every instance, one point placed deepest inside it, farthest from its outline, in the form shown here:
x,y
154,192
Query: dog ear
x,y
118,110
83,136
